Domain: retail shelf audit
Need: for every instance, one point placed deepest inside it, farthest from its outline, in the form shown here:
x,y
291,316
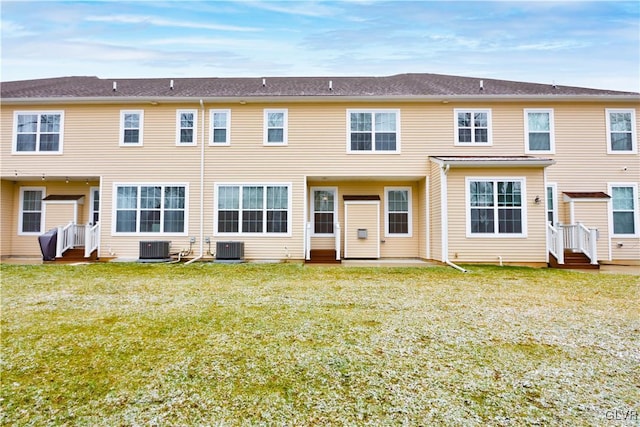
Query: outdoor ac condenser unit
x,y
229,250
154,249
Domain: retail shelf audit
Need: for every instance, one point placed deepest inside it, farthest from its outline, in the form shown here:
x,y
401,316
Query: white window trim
x,y
496,234
373,142
179,128
456,140
313,211
552,134
92,200
386,212
42,211
285,125
634,137
228,128
148,184
554,192
636,208
141,128
264,233
14,145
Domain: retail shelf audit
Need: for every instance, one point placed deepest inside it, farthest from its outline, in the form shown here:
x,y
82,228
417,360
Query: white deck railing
x,y
91,239
555,242
574,237
66,238
77,236
338,241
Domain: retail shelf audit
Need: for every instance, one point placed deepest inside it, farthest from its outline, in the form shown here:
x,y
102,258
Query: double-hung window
x,y
131,126
473,127
538,131
150,208
220,127
621,131
31,220
495,207
323,210
253,209
38,132
624,209
186,127
373,131
275,127
398,211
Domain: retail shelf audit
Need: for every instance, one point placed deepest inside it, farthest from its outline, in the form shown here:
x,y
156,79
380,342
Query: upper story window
x,y
275,127
538,131
150,209
186,127
253,209
31,219
624,209
131,125
473,127
38,132
495,207
398,211
220,127
374,131
621,131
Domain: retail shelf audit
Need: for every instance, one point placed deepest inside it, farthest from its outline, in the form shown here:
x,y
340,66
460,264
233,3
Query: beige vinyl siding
x,y
8,225
317,148
529,249
58,214
435,212
362,216
422,210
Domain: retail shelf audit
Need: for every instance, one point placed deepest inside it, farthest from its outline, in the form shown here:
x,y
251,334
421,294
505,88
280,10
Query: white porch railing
x,y
337,242
77,236
66,238
555,243
91,239
336,230
575,237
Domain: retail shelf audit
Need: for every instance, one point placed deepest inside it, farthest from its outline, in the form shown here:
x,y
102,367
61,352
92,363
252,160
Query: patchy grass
x,y
128,344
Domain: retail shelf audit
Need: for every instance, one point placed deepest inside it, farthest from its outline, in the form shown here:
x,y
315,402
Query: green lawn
x,y
286,344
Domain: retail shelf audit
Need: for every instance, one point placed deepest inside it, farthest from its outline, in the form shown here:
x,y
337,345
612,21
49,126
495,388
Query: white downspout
x,y
444,203
201,236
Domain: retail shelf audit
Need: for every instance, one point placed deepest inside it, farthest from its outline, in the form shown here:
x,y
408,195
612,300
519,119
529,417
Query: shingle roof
x,y
401,85
586,195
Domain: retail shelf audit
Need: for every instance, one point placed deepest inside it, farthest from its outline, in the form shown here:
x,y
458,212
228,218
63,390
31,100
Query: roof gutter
x,y
318,98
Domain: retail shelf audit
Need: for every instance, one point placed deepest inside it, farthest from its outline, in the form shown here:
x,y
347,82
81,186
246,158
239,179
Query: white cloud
x,y
12,29
162,22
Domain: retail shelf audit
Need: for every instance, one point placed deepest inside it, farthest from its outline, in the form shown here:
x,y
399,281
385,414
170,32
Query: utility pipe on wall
x,y
201,235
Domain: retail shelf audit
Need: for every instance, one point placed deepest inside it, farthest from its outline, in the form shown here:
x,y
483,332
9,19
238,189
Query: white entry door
x,y
362,229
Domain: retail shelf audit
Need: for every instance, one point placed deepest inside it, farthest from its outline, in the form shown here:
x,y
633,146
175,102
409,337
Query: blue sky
x,y
590,44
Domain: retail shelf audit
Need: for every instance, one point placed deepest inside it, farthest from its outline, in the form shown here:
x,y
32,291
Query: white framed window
x,y
324,210
94,215
131,128
252,209
621,131
473,127
220,127
397,212
373,131
31,215
150,208
38,132
186,127
624,209
275,127
495,207
539,135
552,200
